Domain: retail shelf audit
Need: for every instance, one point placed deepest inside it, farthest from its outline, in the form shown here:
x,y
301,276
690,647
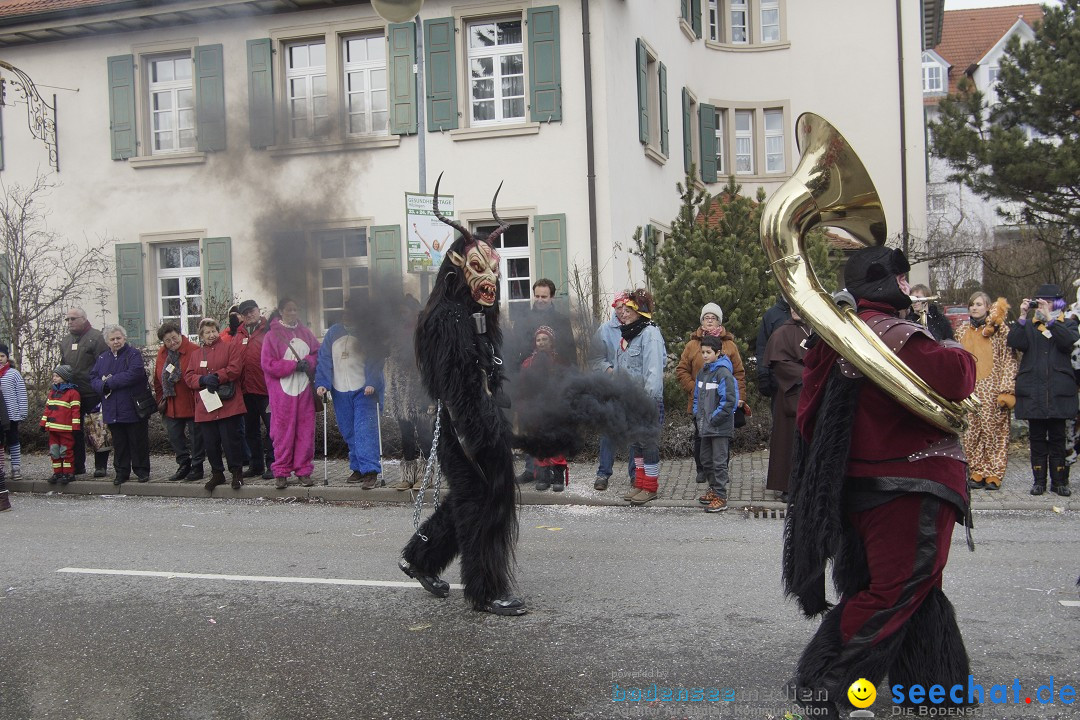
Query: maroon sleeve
x,y
948,370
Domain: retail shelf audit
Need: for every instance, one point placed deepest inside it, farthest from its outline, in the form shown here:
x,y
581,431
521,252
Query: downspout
x,y
590,154
903,133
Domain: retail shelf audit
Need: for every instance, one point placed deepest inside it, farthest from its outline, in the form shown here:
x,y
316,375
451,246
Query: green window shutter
x,y
386,241
545,82
217,272
707,128
402,83
551,255
209,98
695,17
440,69
687,139
122,106
129,291
260,65
684,10
642,93
662,73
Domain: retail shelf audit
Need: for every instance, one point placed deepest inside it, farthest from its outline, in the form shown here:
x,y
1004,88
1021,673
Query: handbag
x,y
145,403
98,435
740,417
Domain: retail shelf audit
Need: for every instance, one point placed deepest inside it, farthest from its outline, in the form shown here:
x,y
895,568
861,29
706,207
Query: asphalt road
x,y
617,595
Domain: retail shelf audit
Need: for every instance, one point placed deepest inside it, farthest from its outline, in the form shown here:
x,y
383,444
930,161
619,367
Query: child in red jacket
x,y
63,413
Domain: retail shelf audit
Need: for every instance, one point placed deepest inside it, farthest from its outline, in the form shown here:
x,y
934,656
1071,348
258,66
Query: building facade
x,y
261,148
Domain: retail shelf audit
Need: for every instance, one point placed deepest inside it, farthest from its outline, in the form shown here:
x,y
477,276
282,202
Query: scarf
x,y
713,333
631,331
169,379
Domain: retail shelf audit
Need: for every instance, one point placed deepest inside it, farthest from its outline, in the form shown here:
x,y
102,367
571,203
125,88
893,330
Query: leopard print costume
x,y
986,441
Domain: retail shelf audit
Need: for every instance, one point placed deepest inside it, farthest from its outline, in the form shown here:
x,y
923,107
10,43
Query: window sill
x,y
655,155
688,30
490,131
186,158
731,47
754,177
314,148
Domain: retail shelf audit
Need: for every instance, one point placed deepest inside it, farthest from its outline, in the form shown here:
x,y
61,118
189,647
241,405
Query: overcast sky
x,y
966,4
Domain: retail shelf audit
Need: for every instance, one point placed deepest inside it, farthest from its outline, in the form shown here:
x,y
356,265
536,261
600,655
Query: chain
x,y
432,471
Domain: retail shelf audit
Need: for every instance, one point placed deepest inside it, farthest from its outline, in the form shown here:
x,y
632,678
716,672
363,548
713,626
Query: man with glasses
x,y
80,349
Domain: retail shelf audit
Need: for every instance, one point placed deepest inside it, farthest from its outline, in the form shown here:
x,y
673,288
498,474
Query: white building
x,y
256,148
972,44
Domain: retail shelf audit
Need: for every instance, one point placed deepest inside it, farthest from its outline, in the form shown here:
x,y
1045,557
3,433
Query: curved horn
x,y
503,225
435,207
831,187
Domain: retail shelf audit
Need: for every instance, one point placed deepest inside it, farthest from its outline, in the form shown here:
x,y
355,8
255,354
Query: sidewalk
x,y
677,486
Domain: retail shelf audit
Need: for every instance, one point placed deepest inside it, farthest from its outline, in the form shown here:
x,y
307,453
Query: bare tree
x,y
43,273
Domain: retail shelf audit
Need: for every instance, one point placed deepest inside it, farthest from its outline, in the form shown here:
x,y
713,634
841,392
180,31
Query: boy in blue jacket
x,y
716,395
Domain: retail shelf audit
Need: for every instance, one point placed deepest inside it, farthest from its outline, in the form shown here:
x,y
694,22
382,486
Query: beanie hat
x,y
711,308
4,349
870,274
544,330
65,372
713,341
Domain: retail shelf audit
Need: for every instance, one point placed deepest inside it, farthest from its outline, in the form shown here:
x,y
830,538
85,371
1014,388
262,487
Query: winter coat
x,y
253,381
343,365
524,334
13,389
127,377
644,358
1045,384
605,345
182,405
63,410
226,360
774,317
716,395
691,362
81,352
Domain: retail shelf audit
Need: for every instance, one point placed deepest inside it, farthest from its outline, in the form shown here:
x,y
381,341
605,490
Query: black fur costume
x,y
478,518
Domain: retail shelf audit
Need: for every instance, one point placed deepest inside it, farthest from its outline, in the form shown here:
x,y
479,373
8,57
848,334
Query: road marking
x,y
247,578
1070,603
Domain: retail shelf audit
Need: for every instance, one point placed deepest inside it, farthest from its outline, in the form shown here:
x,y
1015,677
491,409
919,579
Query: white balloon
x,y
397,11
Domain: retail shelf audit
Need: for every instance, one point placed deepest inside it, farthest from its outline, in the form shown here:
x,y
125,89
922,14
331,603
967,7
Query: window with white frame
x,y
343,270
992,73
179,285
714,20
365,76
172,104
739,15
305,89
515,265
933,76
744,142
774,141
935,203
721,169
496,71
769,11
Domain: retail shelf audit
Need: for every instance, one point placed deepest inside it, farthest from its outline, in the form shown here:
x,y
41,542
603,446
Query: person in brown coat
x,y
690,364
784,357
212,368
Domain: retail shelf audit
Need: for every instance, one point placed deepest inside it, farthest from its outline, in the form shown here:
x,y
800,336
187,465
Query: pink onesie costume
x,y
292,397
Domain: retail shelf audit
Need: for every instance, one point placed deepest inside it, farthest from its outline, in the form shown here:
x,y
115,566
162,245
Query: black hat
x,y
871,274
4,349
1049,291
247,305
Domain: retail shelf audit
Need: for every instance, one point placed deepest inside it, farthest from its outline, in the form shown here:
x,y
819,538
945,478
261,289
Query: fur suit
x,y
458,365
292,403
345,369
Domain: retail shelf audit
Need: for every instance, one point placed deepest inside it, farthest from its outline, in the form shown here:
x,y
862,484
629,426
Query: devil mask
x,y
480,266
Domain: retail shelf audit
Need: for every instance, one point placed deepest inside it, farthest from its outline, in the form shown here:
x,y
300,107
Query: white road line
x,y
1070,603
247,578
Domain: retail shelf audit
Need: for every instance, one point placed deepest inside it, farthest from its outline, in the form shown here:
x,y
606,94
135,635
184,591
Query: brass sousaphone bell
x,y
831,187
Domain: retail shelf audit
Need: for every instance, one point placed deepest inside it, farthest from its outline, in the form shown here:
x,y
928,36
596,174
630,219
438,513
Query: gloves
x,y
105,389
1006,400
210,381
302,366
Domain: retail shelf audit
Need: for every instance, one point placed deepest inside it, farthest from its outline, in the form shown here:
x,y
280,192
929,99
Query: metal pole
x,y
325,420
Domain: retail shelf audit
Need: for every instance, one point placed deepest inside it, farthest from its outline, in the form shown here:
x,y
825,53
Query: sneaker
x,y
355,477
16,472
542,485
601,482
268,475
281,483
643,497
634,490
54,479
708,497
65,479
558,486
718,504
1062,490
306,481
371,479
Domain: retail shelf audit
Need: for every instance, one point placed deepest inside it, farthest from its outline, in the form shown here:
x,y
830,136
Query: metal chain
x,y
431,470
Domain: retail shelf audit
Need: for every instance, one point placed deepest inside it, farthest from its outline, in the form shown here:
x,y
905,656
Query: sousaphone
x,y
830,187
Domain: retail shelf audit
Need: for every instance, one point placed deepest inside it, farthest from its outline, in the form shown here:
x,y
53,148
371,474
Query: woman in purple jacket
x,y
118,375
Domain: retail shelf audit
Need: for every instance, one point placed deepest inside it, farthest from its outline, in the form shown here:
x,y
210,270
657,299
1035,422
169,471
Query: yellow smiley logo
x,y
862,693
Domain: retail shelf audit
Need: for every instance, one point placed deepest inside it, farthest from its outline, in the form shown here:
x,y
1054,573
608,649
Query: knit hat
x,y
712,308
4,349
65,372
247,305
544,330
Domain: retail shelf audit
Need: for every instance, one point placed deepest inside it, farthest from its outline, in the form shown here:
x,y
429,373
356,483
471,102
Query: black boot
x,y
196,473
1039,473
237,478
217,477
1059,480
182,471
